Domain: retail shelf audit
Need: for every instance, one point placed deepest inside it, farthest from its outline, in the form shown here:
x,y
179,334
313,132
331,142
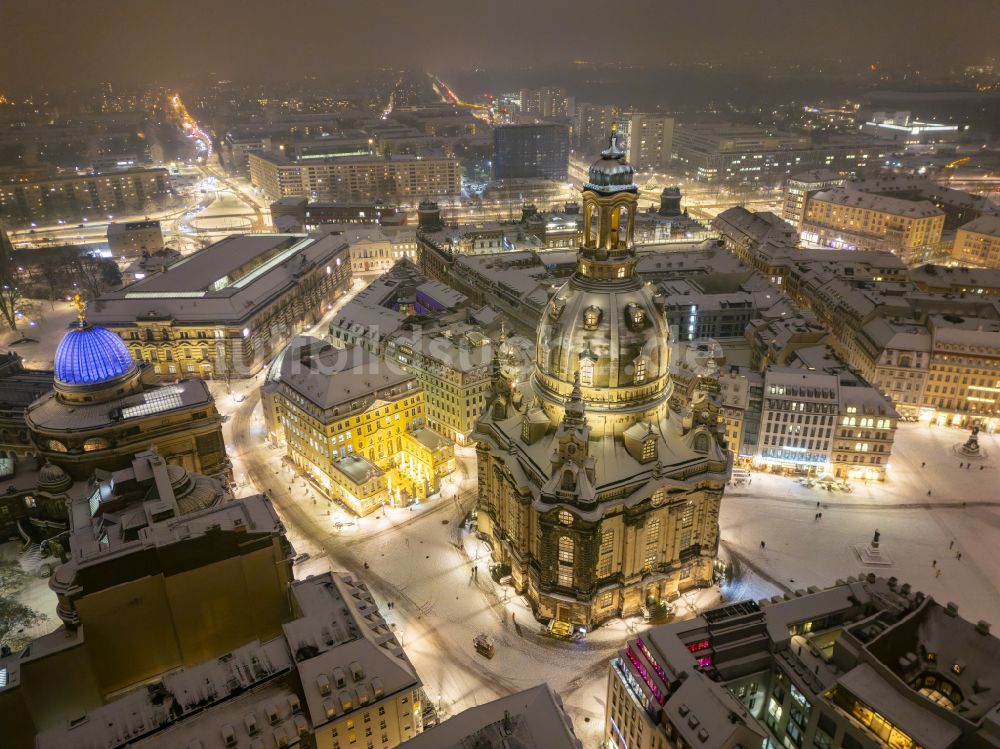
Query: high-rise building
x,y
591,125
531,152
650,140
355,178
548,101
594,491
134,238
97,195
869,662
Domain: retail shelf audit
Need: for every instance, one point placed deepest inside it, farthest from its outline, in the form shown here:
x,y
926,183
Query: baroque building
x,y
599,487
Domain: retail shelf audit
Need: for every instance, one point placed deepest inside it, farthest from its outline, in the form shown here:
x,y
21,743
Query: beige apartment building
x,y
977,243
841,218
356,177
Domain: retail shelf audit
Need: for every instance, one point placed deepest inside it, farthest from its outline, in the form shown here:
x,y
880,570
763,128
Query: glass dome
x,y
91,355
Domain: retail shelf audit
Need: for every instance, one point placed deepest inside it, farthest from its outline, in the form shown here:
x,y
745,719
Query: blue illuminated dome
x,y
91,355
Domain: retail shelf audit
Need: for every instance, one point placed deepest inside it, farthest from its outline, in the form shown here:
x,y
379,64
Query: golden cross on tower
x,y
81,308
614,121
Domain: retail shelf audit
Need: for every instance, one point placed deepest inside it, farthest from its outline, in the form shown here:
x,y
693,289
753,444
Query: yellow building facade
x,y
355,425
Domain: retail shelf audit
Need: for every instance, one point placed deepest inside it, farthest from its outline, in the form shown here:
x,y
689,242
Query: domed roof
x,y
91,355
611,173
53,478
613,334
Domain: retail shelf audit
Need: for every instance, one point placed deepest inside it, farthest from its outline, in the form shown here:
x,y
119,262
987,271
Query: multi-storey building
x,y
244,656
105,406
597,494
531,152
452,367
297,214
741,390
134,191
650,140
229,308
547,101
355,424
798,419
725,153
532,719
356,178
134,238
866,664
800,187
843,218
376,249
977,243
591,125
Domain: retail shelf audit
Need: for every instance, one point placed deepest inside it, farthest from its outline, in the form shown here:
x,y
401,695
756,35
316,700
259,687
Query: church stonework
x,y
598,485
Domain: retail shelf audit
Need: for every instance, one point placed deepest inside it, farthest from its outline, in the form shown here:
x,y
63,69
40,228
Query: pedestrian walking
x,y
817,504
762,544
937,574
821,516
981,467
960,465
951,545
928,492
923,463
934,563
959,556
968,466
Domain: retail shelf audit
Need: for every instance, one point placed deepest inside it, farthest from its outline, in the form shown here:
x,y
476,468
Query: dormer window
x,y
591,318
640,371
556,308
636,316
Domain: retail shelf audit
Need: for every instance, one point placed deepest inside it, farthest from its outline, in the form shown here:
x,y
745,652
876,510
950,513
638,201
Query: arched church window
x,y
622,226
57,446
593,226
701,443
568,482
587,372
96,443
566,560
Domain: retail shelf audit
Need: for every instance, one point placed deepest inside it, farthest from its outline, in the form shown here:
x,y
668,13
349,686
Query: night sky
x,y
78,41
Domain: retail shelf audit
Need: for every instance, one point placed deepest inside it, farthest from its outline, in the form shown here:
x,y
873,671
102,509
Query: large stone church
x,y
598,485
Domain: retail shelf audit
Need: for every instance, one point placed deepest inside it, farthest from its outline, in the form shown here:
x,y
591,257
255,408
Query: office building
x,y
229,308
736,154
531,152
134,238
355,424
842,218
977,243
298,214
649,138
356,178
800,187
120,193
866,663
586,438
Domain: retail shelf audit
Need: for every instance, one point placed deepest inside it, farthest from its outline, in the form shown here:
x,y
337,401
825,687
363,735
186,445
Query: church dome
x,y
91,355
613,335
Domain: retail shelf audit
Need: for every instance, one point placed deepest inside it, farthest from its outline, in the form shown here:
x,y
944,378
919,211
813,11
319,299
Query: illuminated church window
x,y
591,318
587,372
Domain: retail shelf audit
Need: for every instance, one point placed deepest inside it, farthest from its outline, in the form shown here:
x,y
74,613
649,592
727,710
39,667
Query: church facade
x,y
600,488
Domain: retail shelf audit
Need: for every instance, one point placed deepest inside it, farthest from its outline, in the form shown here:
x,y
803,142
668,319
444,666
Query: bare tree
x,y
15,617
10,283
